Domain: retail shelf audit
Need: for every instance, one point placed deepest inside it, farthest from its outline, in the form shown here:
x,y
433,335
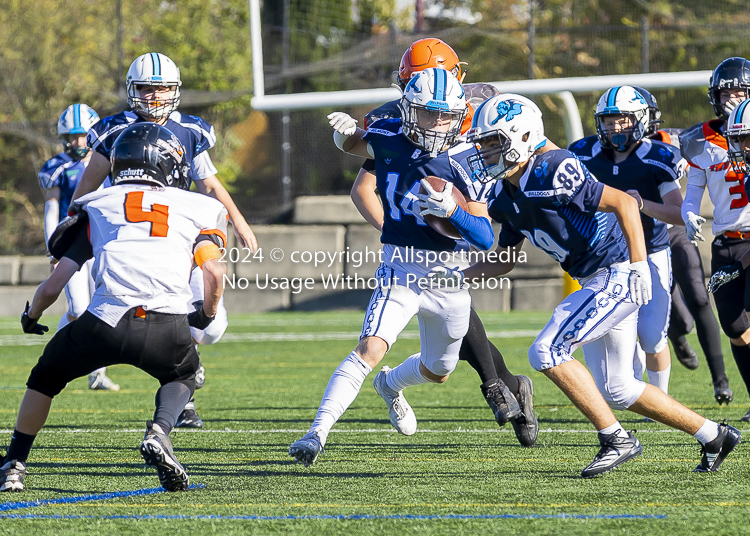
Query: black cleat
x,y
11,476
156,451
526,426
306,449
685,353
500,400
746,417
715,451
614,452
189,417
722,393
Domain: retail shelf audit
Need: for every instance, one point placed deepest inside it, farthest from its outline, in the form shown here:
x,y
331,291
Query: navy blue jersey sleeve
x,y
203,132
49,175
509,237
555,178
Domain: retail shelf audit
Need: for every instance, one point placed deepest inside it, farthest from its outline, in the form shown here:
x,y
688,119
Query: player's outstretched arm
x,y
668,212
93,176
347,136
212,187
366,199
213,285
626,209
47,292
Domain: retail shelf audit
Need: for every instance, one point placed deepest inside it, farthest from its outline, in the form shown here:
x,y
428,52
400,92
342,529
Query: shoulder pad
x,y
692,142
65,233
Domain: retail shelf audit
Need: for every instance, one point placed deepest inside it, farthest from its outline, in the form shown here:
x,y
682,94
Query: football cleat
x,y
11,476
156,451
99,381
526,425
685,353
722,393
500,400
200,377
614,452
306,449
715,451
746,417
402,416
189,417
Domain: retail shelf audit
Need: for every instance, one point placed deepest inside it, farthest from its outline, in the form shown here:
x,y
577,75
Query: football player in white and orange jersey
x,y
705,148
144,238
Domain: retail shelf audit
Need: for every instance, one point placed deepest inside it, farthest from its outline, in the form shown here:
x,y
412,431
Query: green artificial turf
x,y
261,393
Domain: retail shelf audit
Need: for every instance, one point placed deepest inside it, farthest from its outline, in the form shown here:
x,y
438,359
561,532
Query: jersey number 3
x,y
158,215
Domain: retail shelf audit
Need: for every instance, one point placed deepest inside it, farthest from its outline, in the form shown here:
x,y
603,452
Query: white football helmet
x,y
738,126
432,109
627,101
153,69
515,123
77,119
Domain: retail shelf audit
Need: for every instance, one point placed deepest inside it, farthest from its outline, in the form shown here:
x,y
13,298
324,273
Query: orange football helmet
x,y
426,53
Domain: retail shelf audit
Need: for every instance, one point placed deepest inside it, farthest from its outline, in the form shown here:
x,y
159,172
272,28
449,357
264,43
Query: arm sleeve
x,y
697,176
475,229
51,217
369,165
203,167
80,249
692,201
666,187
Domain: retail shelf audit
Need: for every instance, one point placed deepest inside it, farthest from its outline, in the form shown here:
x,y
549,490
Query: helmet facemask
x,y
431,129
79,152
623,139
738,156
155,108
491,147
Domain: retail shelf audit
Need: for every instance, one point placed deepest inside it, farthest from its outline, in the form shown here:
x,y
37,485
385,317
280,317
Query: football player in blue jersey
x,y
621,156
405,151
153,89
508,396
58,179
595,233
690,302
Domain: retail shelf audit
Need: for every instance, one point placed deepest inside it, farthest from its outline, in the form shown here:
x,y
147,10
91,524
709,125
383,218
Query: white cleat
x,y
402,416
11,476
99,381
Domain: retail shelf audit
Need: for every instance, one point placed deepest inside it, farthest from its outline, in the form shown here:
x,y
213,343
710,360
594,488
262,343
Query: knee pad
x,y
623,393
543,356
443,366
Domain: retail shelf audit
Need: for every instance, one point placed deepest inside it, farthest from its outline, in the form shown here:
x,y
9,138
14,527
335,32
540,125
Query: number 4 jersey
x,y
705,149
556,208
142,239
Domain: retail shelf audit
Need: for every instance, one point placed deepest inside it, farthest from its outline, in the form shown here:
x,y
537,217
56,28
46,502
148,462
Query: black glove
x,y
198,318
32,325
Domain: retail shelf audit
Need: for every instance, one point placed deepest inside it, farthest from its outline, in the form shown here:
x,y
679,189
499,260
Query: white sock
x,y
660,378
405,375
342,389
708,431
614,429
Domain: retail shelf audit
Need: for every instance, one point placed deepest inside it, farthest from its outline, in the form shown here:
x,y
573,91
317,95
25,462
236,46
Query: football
x,y
442,225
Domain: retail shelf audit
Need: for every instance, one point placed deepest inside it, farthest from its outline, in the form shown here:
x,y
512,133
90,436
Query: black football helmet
x,y
149,153
732,73
654,113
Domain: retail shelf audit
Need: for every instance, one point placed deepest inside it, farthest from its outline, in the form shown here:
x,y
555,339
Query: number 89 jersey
x,y
556,208
399,166
143,239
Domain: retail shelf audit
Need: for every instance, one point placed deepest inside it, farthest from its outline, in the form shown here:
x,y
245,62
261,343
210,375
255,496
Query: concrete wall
x,y
328,242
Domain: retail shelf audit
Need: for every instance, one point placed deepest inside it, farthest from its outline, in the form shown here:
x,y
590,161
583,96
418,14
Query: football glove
x,y
199,319
693,227
444,279
724,275
639,283
32,325
342,123
440,204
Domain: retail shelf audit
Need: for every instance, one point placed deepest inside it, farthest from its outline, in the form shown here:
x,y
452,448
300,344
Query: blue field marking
x,y
4,507
357,517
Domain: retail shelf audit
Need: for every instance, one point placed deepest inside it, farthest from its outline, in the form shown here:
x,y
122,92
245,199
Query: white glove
x,y
342,123
639,282
693,227
441,278
440,204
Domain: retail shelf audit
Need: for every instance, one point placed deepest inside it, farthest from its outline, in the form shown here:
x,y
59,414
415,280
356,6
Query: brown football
x,y
442,225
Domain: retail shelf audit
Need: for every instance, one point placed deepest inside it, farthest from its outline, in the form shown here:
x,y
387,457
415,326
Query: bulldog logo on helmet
x,y
508,110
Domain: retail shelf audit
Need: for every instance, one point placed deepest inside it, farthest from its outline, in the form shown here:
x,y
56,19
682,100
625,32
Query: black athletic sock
x,y
20,446
475,349
170,401
502,371
742,358
710,339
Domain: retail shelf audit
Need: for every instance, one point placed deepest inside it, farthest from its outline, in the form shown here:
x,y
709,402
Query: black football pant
x,y
483,356
690,302
157,343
